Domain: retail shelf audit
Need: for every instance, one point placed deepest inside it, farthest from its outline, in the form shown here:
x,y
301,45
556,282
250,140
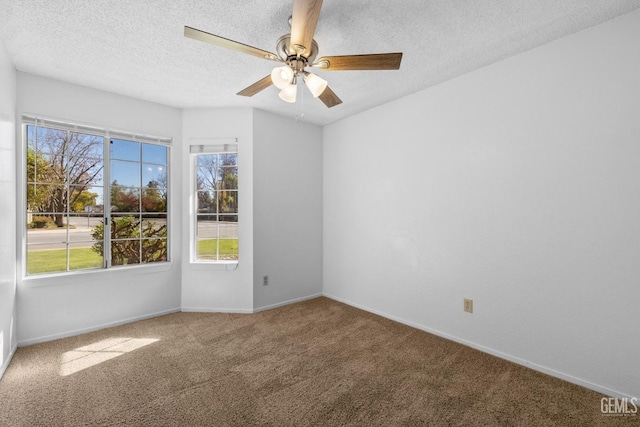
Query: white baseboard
x,y
161,313
545,370
216,310
247,310
94,328
291,301
5,365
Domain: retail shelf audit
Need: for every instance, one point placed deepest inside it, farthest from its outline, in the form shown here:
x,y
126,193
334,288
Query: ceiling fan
x,y
298,50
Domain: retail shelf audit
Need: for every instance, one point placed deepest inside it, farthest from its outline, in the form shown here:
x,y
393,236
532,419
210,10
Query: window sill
x,y
215,265
52,279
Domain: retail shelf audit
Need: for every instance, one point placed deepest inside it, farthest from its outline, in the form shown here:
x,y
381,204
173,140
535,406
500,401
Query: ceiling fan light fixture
x,y
289,92
316,84
282,76
296,51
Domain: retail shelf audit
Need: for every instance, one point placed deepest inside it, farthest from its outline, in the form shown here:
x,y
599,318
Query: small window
x,y
215,203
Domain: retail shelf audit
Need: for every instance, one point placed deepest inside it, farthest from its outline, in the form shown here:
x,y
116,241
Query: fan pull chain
x,y
300,115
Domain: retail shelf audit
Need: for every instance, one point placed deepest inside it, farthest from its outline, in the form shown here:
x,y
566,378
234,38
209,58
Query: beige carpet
x,y
318,363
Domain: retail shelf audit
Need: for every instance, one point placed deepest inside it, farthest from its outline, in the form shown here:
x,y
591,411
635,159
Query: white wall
x,y
52,307
210,287
280,221
517,185
8,340
287,239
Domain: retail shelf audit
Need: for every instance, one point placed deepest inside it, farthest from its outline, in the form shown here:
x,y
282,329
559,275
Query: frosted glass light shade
x,y
316,84
282,76
288,94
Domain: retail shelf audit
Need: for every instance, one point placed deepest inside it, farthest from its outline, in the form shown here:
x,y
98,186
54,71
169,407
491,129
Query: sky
x,y
132,163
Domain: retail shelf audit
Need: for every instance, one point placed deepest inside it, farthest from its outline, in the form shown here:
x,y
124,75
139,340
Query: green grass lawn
x,y
54,260
228,249
50,261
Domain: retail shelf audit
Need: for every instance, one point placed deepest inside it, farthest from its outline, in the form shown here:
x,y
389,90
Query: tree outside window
x,y
216,199
66,186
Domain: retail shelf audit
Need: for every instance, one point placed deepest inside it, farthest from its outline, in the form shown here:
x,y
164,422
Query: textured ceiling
x,y
137,48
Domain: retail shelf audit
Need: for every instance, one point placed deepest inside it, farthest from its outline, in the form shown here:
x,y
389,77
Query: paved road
x,y
55,239
80,236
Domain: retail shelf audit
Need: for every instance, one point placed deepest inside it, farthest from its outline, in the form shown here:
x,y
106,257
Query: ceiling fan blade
x,y
256,87
303,25
329,98
376,61
229,44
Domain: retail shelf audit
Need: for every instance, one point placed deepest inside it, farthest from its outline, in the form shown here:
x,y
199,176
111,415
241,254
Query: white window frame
x,y
209,146
108,134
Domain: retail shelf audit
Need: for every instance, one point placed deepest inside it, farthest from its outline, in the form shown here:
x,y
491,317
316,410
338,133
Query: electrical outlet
x,y
468,305
265,280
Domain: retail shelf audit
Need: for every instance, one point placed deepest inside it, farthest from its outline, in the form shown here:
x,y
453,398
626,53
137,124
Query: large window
x,y
93,200
216,203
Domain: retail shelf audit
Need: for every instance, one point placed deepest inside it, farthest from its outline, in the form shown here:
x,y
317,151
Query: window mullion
x,y
67,187
140,206
218,159
106,201
195,206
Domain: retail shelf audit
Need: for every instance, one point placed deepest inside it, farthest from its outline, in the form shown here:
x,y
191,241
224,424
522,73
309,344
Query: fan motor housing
x,y
282,49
